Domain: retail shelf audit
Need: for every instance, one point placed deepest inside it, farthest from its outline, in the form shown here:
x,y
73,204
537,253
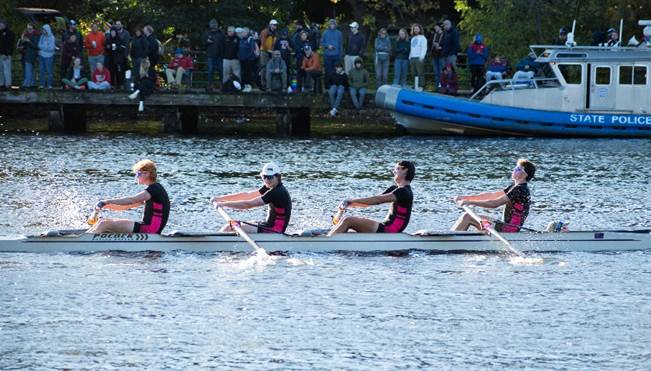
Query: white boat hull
x,y
352,242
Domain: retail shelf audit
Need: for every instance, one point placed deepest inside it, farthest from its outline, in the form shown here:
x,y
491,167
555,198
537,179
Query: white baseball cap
x,y
354,25
270,168
273,21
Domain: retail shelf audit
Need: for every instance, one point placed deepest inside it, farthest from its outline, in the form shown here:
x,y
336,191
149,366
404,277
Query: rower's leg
x,y
360,225
113,226
464,222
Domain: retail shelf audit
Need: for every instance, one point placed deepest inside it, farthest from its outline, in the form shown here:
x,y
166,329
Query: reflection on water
x,y
49,181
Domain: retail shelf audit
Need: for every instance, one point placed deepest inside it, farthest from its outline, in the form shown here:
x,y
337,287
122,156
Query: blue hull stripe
x,y
520,120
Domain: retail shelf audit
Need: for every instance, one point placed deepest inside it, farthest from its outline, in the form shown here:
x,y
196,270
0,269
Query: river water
x,y
323,311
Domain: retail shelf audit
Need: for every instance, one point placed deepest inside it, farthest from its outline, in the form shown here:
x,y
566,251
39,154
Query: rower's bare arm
x,y
245,204
373,200
481,197
240,196
491,204
127,203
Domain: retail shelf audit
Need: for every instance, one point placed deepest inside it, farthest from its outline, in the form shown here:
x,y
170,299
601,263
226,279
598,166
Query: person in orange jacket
x,y
94,43
310,73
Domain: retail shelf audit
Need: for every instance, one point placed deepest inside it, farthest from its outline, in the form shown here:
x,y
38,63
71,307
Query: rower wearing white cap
x,y
272,193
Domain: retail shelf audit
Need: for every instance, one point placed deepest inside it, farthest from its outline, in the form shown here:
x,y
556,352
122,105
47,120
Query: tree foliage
x,y
510,26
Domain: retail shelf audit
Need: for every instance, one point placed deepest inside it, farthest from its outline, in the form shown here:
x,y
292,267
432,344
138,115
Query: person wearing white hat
x,y
355,47
272,193
268,38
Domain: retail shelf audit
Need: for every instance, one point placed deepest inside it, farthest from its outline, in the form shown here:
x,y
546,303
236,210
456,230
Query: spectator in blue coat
x,y
332,43
477,56
247,53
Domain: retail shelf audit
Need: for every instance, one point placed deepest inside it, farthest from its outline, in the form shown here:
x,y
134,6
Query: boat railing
x,y
511,84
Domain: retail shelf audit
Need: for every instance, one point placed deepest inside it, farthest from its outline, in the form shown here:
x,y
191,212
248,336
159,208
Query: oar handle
x,y
235,225
491,230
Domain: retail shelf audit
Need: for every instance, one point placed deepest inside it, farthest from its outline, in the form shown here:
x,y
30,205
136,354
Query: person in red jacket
x,y
101,78
179,66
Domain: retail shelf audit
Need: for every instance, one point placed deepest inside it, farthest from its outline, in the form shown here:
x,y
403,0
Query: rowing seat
x,y
197,234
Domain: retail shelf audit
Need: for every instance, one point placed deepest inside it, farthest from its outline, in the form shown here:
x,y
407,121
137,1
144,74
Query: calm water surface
x,y
323,311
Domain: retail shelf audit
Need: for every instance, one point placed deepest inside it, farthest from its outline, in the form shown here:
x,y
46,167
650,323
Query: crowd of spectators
x,y
240,59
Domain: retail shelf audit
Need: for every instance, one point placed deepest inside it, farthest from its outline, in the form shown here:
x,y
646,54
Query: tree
x,y
510,26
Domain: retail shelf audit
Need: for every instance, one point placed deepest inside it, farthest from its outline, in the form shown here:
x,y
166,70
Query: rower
x,y
516,197
272,193
399,195
154,197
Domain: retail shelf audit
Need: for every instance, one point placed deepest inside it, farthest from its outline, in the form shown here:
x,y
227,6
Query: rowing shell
x,y
453,242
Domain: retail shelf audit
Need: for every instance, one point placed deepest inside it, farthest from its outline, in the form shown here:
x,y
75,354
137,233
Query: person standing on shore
x,y
477,53
451,46
7,45
154,198
417,53
382,57
139,50
29,45
231,65
272,193
355,47
399,195
69,51
401,63
437,54
247,53
213,41
332,42
516,198
94,43
46,49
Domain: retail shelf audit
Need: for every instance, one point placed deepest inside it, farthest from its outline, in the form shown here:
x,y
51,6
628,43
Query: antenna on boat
x,y
621,32
570,36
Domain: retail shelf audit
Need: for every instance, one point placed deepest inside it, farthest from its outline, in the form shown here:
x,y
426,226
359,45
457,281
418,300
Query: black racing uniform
x,y
280,209
157,211
400,212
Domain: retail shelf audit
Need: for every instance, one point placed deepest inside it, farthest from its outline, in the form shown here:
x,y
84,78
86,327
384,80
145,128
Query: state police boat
x,y
584,92
76,241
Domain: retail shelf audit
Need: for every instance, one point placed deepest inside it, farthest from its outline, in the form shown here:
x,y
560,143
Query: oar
x,y
236,226
492,231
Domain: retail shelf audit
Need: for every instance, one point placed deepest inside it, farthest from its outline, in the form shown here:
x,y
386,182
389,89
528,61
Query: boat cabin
x,y
581,79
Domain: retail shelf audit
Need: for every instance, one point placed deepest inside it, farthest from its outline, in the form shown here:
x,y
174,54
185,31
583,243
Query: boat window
x,y
571,73
629,75
602,76
639,75
625,75
571,55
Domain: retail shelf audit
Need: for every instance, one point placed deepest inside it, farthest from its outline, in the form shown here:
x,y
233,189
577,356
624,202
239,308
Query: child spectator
x,y
449,80
401,63
276,69
28,44
100,79
179,65
382,60
69,51
477,56
94,43
496,69
309,75
74,78
358,81
338,83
